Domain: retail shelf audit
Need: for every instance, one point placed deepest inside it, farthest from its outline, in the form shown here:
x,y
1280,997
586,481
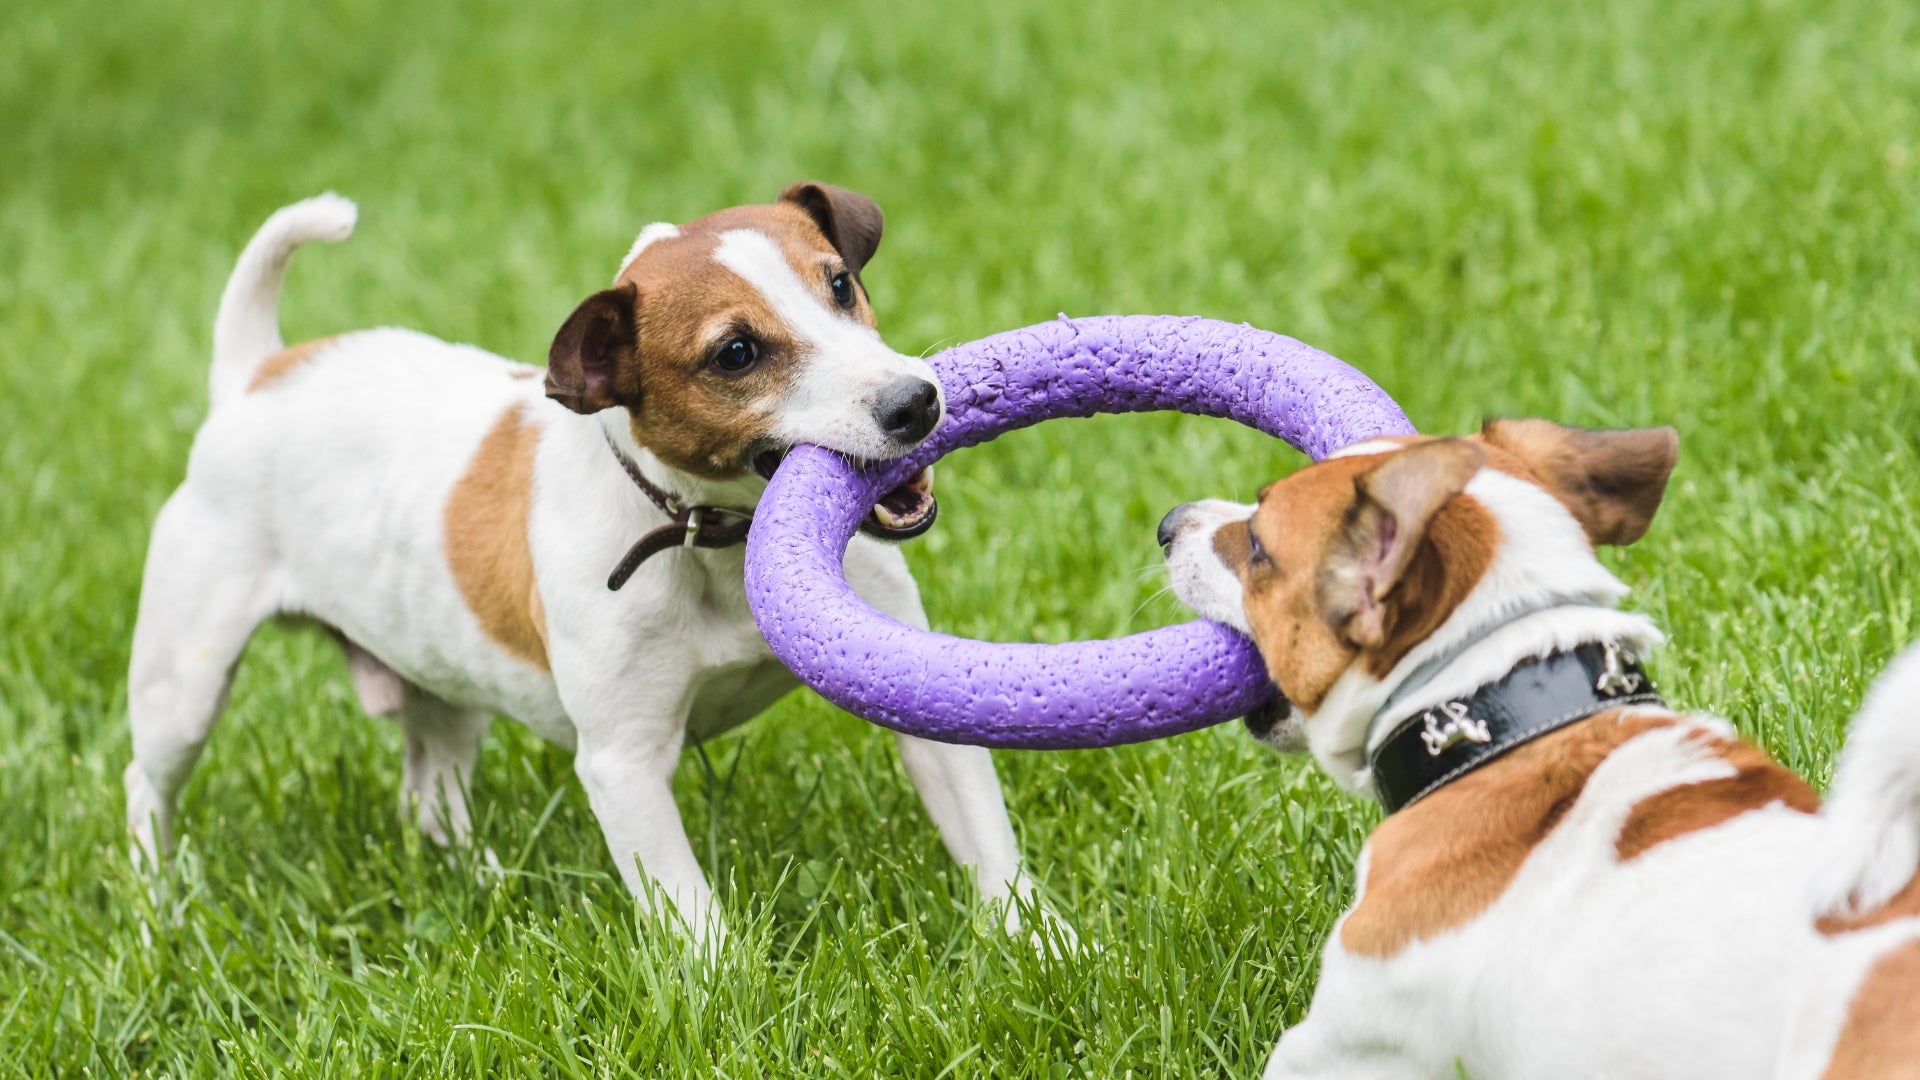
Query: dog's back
x,y
333,467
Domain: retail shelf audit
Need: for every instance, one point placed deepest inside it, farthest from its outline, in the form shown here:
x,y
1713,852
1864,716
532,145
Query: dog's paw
x,y
1050,935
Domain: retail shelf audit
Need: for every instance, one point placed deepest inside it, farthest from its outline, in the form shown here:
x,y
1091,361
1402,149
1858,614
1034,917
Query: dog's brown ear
x,y
591,357
1394,502
850,220
1612,481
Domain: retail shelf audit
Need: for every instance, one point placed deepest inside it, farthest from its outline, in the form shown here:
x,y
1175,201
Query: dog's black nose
x,y
1169,525
908,409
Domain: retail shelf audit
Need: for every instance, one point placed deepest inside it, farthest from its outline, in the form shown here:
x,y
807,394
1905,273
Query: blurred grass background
x,y
1701,214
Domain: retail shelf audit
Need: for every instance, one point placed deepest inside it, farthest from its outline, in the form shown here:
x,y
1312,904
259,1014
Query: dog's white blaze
x,y
830,401
1363,448
659,230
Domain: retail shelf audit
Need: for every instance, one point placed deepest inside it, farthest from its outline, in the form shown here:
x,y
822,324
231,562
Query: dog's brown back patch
x,y
1445,859
280,364
1881,1039
1678,811
486,538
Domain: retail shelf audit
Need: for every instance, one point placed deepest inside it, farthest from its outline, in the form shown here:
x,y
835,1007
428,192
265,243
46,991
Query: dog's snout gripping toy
x,y
1082,694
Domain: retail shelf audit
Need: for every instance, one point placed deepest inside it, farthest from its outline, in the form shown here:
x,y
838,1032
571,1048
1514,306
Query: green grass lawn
x,y
1704,214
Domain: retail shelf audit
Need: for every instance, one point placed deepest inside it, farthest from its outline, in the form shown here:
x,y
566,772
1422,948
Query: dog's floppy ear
x,y
1612,481
850,220
590,361
1394,502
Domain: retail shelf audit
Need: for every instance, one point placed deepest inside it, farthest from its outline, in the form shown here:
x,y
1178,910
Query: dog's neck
x,y
616,427
1544,592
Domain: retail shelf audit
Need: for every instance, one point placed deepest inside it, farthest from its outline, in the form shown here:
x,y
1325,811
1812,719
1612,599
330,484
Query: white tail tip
x,y
247,330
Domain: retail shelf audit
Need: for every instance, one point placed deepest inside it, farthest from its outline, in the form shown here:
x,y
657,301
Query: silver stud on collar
x,y
1458,727
1615,680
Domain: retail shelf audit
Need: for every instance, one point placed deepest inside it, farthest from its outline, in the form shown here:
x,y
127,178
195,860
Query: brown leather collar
x,y
687,526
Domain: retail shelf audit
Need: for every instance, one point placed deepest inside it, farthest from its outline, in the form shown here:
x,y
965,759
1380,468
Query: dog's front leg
x,y
628,774
958,784
961,792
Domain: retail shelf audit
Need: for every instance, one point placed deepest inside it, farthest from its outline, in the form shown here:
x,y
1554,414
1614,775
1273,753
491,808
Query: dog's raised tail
x,y
1871,821
247,330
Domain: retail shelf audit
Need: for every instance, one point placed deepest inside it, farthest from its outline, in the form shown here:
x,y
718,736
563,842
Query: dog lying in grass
x,y
559,546
1572,880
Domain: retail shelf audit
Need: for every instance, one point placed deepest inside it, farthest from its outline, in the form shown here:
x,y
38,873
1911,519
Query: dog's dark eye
x,y
737,355
1255,552
842,286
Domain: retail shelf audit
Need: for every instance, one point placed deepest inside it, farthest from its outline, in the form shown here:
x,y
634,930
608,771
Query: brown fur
x,y
1881,1039
1299,525
1445,859
1306,524
1230,546
1689,808
1458,549
486,539
280,364
680,306
1611,481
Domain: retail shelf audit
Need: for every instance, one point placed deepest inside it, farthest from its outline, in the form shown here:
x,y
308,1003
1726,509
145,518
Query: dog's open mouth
x,y
1262,721
901,514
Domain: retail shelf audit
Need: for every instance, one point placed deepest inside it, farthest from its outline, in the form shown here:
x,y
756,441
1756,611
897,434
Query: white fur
x,y
1682,963
1873,817
247,329
659,230
1198,576
1697,959
1365,448
1543,559
325,494
831,400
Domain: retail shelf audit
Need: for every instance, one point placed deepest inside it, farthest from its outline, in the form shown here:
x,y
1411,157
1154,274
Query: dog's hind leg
x,y
443,746
206,589
957,784
961,791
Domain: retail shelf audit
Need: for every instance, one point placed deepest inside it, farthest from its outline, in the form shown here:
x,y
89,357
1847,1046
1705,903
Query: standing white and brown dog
x,y
454,520
1572,880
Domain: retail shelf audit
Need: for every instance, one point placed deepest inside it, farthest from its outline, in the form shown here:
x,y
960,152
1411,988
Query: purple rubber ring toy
x,y
1042,697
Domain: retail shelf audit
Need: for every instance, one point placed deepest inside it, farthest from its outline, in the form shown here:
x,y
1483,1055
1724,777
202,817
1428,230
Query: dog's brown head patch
x,y
700,356
1356,559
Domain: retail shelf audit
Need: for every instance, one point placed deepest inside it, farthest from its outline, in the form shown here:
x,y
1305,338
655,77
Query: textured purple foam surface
x,y
1042,697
